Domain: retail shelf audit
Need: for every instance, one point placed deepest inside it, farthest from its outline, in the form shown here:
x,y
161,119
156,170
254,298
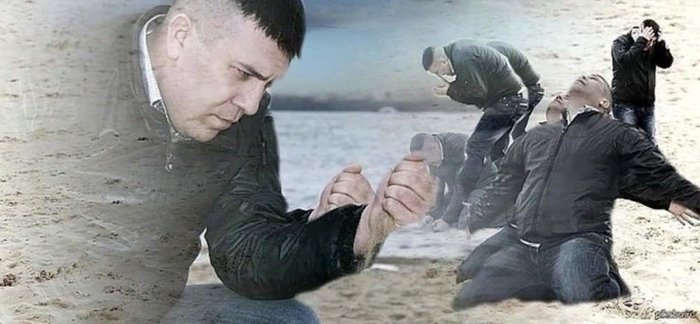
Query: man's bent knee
x,y
583,273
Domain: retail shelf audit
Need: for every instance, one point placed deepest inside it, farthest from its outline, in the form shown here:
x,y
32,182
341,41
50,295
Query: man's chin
x,y
205,136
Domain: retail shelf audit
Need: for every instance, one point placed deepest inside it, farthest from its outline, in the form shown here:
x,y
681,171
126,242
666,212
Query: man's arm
x,y
466,92
440,202
632,189
501,195
454,207
469,87
662,55
642,160
626,55
260,250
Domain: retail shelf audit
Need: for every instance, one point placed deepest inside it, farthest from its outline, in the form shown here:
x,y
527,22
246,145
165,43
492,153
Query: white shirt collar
x,y
570,118
149,78
155,99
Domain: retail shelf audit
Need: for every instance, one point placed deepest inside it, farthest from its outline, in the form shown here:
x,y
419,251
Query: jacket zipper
x,y
549,174
263,144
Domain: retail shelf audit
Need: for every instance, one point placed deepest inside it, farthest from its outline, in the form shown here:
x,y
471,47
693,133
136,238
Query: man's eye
x,y
243,75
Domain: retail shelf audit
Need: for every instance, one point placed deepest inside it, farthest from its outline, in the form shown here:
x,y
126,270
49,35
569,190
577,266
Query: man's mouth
x,y
224,123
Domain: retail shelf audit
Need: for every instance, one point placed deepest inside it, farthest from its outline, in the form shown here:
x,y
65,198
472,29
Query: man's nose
x,y
249,100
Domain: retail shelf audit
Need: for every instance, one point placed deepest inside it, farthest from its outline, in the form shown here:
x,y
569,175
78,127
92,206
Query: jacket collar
x,y
145,66
570,117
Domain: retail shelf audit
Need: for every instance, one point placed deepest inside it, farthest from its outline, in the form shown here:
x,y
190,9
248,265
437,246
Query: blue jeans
x,y
575,269
493,127
215,303
639,116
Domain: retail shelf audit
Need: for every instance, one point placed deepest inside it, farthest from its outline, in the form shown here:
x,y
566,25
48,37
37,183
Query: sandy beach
x,y
415,279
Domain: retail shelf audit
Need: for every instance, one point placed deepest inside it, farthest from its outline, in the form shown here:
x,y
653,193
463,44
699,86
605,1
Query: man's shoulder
x,y
470,47
623,39
546,128
510,51
449,136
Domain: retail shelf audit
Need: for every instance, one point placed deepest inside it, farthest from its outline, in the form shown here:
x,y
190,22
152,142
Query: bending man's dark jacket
x,y
563,180
634,70
484,75
257,247
453,156
518,61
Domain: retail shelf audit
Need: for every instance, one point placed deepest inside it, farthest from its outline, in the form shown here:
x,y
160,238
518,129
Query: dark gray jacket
x,y
518,61
483,74
564,180
453,157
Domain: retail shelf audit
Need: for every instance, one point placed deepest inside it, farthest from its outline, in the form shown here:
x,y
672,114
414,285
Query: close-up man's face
x,y
589,87
219,81
441,66
432,152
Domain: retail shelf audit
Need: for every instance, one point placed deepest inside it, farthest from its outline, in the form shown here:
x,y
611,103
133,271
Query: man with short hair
x,y
196,148
635,56
477,74
558,245
444,154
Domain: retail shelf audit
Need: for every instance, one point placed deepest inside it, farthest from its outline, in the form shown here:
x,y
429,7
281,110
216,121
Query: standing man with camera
x,y
635,56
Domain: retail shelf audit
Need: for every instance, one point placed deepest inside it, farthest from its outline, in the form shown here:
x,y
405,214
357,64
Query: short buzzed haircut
x,y
428,56
651,23
282,21
607,88
418,141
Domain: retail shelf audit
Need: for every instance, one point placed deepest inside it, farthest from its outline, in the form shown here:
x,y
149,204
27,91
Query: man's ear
x,y
604,105
179,29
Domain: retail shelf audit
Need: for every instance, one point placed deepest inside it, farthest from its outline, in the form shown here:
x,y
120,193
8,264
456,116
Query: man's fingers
x,y
416,166
692,214
407,197
413,157
679,219
351,177
422,184
688,220
353,168
394,207
684,219
339,199
351,189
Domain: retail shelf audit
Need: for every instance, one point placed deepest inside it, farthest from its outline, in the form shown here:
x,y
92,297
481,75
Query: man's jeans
x,y
217,304
639,116
495,124
535,94
571,270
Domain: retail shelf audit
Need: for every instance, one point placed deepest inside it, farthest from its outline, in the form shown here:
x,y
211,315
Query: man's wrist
x,y
367,241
